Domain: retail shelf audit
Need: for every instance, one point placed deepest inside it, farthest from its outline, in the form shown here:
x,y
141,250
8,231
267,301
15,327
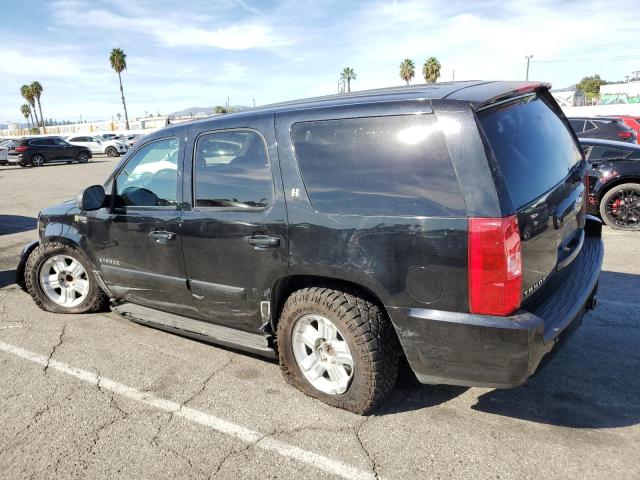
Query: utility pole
x,y
626,79
528,57
254,102
453,76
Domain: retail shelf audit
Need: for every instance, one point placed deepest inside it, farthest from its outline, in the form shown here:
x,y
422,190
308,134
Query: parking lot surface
x,y
96,396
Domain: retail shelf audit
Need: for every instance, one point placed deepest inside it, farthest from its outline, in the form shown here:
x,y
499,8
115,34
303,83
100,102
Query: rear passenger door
x,y
234,223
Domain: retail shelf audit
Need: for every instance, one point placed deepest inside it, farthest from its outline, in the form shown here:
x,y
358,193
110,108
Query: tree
x,y
220,109
118,60
591,86
431,70
36,89
26,111
27,94
347,75
407,70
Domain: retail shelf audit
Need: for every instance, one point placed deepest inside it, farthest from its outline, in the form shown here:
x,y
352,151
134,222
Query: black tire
x,y
368,333
111,152
37,160
626,215
83,157
96,299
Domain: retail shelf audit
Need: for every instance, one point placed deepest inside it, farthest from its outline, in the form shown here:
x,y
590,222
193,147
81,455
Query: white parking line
x,y
244,434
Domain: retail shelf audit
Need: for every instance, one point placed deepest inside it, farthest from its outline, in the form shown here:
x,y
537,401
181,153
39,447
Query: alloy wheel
x,y
64,280
623,208
322,354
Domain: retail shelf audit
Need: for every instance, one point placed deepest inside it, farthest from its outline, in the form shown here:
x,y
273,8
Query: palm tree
x,y
36,89
118,61
26,111
347,75
407,70
431,70
27,94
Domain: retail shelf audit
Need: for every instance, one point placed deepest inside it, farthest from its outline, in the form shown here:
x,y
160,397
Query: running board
x,y
190,327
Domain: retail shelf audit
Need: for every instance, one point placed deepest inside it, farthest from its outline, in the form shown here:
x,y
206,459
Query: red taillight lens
x,y
625,135
495,265
22,148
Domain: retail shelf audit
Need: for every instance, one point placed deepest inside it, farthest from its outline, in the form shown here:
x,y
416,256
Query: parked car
x,y
632,122
443,223
36,151
112,148
4,150
613,188
108,136
129,140
607,128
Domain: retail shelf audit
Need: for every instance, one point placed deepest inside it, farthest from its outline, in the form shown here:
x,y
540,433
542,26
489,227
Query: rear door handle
x,y
162,237
262,241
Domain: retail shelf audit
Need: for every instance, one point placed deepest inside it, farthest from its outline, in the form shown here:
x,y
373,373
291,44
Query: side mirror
x,y
92,198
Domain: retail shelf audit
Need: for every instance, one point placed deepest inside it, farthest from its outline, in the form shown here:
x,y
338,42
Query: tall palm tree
x,y
118,61
407,70
36,89
26,111
347,75
27,94
431,70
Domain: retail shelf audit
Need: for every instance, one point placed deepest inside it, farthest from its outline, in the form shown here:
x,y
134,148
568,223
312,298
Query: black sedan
x,y
613,182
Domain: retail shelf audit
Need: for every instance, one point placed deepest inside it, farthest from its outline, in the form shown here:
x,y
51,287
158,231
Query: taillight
x,y
22,148
495,265
625,135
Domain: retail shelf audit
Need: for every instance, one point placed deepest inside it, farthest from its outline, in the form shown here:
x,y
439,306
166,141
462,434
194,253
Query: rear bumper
x,y
479,350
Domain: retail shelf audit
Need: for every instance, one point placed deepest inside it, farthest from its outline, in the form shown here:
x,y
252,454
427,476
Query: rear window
x,y
389,166
532,146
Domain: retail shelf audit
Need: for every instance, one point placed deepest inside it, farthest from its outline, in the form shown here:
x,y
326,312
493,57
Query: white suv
x,y
112,148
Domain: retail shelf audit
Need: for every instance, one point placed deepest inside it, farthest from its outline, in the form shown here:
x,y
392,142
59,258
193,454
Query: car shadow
x,y
16,223
593,381
7,277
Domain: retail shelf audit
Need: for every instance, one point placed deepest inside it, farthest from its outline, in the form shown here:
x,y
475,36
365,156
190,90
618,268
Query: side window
x,y
232,170
396,165
150,177
588,126
60,142
76,139
607,153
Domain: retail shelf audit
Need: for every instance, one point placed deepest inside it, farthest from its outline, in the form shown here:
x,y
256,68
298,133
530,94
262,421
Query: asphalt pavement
x,y
98,397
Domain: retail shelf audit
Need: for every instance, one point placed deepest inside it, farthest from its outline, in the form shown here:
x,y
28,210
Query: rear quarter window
x,y
532,146
377,166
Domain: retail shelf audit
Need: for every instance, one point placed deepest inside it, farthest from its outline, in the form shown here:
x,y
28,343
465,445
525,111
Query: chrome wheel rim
x,y
38,160
111,152
64,280
322,354
83,157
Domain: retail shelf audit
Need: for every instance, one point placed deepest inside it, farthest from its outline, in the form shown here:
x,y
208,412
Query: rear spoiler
x,y
515,93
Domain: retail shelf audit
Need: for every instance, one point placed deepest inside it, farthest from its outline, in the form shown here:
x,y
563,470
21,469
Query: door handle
x,y
162,237
262,241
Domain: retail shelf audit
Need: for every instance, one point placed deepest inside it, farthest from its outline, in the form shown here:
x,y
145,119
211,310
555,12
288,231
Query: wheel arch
x,y
614,183
286,285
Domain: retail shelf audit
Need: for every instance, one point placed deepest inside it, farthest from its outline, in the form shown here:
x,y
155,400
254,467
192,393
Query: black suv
x,y
606,128
36,151
442,223
613,182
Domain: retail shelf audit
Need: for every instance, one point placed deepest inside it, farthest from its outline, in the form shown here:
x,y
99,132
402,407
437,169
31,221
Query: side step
x,y
190,327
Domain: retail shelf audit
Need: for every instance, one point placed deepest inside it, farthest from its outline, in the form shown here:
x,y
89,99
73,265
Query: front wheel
x,y
60,280
337,347
620,207
83,157
111,152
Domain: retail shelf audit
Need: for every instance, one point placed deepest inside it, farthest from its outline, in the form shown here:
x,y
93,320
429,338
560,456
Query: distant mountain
x,y
203,111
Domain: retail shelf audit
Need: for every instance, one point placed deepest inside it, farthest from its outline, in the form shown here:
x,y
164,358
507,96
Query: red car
x,y
631,122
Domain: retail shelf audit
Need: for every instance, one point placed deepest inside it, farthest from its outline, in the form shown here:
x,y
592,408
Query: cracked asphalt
x,y
96,396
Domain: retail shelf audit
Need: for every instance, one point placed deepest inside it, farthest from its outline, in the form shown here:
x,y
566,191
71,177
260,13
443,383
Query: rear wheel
x,y
60,280
111,152
37,160
620,207
83,157
337,347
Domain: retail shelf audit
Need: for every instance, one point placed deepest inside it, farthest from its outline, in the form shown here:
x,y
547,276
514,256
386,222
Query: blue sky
x,y
196,52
